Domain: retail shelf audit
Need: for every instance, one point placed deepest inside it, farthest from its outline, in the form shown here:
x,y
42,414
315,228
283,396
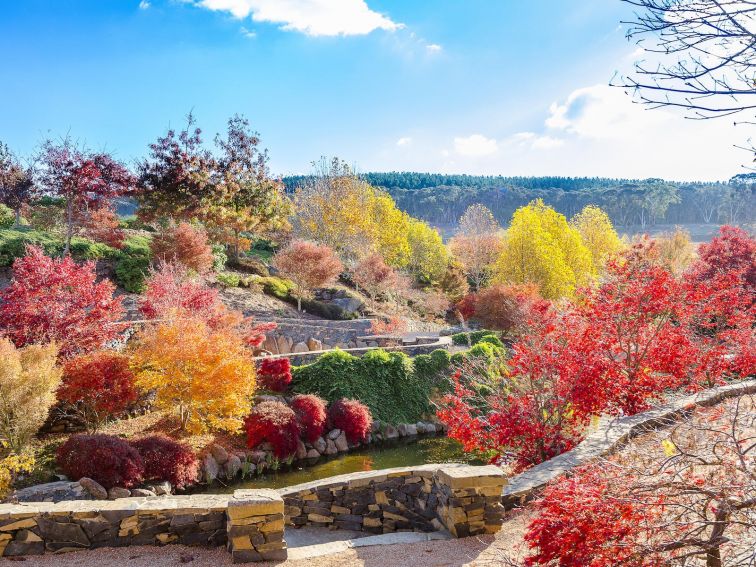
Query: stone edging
x,y
611,434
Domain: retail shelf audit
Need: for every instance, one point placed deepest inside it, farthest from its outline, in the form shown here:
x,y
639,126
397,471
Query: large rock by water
x,y
53,492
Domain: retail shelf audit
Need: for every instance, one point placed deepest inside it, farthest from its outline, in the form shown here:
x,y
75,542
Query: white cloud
x,y
144,4
251,34
404,141
434,48
546,143
475,145
311,17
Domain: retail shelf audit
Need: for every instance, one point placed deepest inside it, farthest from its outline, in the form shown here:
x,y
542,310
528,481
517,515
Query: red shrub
x,y
109,460
352,417
184,244
275,423
274,374
102,226
166,459
311,414
100,385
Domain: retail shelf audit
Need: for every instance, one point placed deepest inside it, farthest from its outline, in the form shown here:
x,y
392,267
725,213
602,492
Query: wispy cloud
x,y
144,4
251,34
434,48
311,17
404,141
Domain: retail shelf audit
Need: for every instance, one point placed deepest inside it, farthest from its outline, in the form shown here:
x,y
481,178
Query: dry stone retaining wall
x,y
464,499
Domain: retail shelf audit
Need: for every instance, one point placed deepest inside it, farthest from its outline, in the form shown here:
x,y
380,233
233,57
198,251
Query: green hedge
x,y
133,263
7,216
384,381
472,337
13,244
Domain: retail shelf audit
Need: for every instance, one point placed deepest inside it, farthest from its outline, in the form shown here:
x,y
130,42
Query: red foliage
x,y
102,226
389,326
170,291
58,300
274,374
352,417
308,265
184,244
466,306
100,383
275,423
733,250
505,307
109,460
374,276
166,459
311,414
583,521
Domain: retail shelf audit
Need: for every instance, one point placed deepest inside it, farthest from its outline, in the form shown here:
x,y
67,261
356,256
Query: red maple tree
x,y
55,299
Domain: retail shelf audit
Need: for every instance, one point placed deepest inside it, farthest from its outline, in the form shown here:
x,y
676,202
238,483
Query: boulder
x,y
376,426
333,434
341,443
314,344
313,454
233,466
256,457
421,429
430,428
330,448
348,304
94,488
320,445
118,492
282,346
161,488
219,454
270,344
407,430
210,468
52,492
301,450
300,347
390,432
142,492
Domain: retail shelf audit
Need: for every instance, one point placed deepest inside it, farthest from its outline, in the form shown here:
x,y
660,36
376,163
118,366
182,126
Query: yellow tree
x,y
598,235
204,374
390,228
428,257
541,248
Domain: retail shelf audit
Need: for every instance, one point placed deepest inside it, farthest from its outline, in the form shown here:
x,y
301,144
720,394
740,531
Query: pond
x,y
400,453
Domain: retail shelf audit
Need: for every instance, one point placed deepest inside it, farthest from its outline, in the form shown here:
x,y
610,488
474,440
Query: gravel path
x,y
473,552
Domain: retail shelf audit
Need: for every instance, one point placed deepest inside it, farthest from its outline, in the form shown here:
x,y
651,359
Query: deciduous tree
x,y
598,235
57,300
308,265
17,187
477,254
477,220
185,244
731,251
374,276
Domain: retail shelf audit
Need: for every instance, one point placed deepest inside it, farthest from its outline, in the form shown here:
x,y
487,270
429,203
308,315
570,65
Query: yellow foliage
x,y
676,251
29,377
428,257
541,248
10,467
598,235
207,375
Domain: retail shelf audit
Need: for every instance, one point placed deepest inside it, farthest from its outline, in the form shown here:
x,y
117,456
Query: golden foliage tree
x,y
598,234
29,378
541,248
428,257
205,374
477,253
676,251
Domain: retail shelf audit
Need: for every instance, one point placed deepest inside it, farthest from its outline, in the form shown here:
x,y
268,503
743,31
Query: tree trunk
x,y
714,558
69,229
18,216
299,303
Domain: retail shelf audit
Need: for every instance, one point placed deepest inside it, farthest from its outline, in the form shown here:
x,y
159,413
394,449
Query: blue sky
x,y
508,87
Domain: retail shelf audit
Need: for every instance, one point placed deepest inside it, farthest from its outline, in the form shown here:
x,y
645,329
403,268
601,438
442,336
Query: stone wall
x,y
464,499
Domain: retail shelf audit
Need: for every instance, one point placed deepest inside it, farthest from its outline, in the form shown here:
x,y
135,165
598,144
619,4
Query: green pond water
x,y
402,453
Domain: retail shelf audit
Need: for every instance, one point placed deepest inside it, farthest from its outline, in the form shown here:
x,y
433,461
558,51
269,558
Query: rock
x,y
219,454
94,488
53,492
341,443
407,429
301,450
161,488
270,344
282,345
421,429
142,492
313,454
330,448
300,347
333,434
320,445
376,427
390,432
256,457
210,468
430,428
63,534
348,304
118,492
233,466
314,344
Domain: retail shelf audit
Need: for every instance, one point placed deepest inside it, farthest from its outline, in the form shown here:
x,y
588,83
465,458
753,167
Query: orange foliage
x,y
184,244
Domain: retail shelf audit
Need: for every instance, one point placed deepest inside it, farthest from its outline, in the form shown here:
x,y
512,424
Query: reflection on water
x,y
402,453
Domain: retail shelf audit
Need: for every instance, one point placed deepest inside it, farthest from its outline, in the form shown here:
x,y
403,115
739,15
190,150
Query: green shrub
x,y
13,244
133,263
471,337
492,340
219,257
228,279
133,222
277,287
384,381
434,367
7,217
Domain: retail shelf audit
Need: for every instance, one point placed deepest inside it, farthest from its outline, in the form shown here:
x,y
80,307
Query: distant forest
x,y
441,199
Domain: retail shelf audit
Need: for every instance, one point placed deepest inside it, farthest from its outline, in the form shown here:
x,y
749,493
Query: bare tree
x,y
702,57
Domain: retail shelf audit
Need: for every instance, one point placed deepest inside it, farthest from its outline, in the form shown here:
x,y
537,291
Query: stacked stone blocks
x,y
255,526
